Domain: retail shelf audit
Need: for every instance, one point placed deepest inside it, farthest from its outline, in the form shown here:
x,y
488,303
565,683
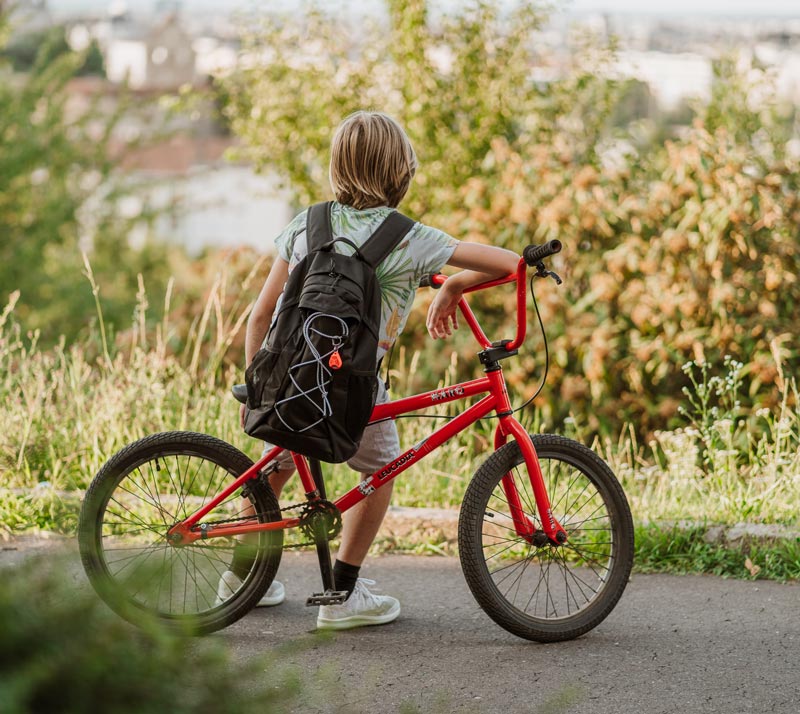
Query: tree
x,y
58,198
457,84
23,51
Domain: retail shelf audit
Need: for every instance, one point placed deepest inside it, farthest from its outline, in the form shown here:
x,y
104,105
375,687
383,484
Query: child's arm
x,y
481,263
261,316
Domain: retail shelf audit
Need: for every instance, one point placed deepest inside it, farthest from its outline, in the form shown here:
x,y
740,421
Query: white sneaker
x,y
360,609
229,583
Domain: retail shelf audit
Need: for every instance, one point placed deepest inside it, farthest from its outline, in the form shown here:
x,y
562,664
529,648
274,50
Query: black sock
x,y
345,576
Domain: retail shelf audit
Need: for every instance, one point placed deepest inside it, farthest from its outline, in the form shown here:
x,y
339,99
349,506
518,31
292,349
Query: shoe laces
x,y
363,593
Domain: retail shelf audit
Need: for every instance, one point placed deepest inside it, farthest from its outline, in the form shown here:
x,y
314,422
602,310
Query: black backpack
x,y
312,388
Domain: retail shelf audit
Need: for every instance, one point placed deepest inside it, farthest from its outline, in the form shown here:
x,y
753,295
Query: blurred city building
x,y
175,160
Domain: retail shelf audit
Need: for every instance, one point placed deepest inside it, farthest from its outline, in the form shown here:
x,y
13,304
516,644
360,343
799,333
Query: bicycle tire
x,y
511,578
131,503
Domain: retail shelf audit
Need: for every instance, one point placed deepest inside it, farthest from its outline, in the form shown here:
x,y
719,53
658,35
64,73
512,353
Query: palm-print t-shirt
x,y
423,250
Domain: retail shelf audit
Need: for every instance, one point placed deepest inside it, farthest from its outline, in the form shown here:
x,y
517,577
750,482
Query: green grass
x,y
685,550
67,410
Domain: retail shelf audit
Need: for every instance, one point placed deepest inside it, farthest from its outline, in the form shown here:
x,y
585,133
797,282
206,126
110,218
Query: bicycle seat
x,y
240,392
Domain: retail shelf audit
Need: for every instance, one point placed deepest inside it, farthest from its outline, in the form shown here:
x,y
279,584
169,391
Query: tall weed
x,y
726,465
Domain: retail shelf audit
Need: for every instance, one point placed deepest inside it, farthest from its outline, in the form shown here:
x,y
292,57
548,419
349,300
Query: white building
x,y
672,78
209,202
159,58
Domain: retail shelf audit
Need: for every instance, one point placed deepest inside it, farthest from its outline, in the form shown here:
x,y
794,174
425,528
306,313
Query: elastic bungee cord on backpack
x,y
323,373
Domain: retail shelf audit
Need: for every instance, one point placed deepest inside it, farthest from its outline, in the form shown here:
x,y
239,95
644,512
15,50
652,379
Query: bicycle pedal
x,y
329,597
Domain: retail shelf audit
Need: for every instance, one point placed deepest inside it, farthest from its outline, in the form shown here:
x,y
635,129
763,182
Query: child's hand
x,y
442,316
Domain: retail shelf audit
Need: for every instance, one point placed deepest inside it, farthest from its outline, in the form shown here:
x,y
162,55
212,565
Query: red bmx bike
x,y
545,533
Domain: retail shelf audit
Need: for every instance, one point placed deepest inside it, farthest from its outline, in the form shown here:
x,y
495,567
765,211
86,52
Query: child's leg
x,y
278,479
245,551
361,523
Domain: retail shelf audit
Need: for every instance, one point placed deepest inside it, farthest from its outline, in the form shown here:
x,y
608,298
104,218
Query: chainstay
x,y
288,546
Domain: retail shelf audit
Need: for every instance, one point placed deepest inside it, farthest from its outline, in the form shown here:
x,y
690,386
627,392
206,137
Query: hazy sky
x,y
684,7
693,7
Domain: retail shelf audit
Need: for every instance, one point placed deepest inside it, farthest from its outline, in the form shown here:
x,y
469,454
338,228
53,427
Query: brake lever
x,y
542,272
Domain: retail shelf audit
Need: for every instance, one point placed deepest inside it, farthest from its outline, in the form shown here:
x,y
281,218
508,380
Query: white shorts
x,y
380,444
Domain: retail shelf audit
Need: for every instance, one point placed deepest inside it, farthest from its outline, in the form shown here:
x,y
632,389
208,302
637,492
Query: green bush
x,y
675,250
62,650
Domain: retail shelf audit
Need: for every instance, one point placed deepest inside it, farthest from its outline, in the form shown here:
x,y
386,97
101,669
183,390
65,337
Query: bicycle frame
x,y
496,399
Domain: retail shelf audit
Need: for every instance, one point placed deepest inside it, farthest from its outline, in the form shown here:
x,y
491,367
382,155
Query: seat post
x,y
321,531
315,468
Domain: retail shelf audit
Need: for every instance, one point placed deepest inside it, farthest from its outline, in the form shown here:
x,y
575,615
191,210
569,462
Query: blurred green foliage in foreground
x,y
63,650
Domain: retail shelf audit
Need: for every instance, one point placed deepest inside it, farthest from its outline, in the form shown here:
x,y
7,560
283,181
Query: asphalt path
x,y
673,644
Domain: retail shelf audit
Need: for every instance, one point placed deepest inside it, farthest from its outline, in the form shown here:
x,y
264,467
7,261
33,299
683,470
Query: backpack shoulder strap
x,y
318,226
386,238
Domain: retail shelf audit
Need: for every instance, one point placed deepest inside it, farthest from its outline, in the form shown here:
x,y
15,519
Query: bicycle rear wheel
x,y
138,495
547,592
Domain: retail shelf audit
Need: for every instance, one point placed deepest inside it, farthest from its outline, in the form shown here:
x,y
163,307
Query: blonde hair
x,y
372,161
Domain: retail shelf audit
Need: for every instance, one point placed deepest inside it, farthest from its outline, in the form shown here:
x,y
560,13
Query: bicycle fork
x,y
552,531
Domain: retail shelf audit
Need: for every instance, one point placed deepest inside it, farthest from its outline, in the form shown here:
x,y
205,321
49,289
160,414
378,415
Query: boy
x,y
372,164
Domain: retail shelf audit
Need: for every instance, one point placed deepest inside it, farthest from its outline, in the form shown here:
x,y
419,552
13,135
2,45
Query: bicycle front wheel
x,y
138,495
547,592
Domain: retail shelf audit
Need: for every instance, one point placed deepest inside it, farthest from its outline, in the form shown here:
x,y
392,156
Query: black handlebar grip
x,y
426,281
534,254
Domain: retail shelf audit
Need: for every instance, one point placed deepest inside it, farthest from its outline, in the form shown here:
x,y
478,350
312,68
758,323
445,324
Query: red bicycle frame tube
x,y
493,384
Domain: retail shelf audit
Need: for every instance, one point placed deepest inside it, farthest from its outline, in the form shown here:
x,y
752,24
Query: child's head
x,y
372,161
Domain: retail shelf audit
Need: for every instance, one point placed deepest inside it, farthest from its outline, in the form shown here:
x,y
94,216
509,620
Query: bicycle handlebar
x,y
532,255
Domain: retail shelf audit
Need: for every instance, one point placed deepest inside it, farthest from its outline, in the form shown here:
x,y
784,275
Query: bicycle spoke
x,y
130,560
178,492
208,486
575,500
138,521
194,478
211,554
155,494
535,592
520,575
185,560
151,529
565,494
567,571
499,540
208,602
515,564
589,560
524,495
147,492
581,582
147,571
